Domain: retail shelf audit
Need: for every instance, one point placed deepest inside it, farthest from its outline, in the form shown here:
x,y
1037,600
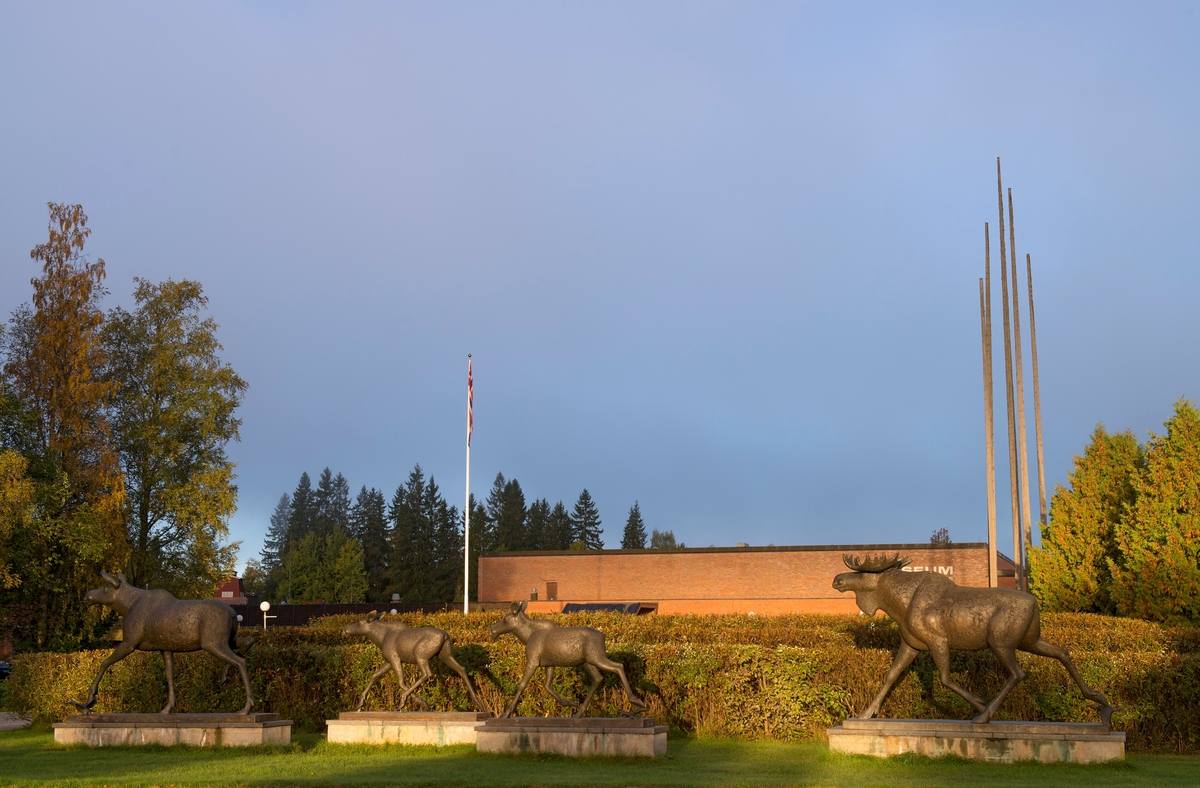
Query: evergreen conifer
x,y
331,503
634,537
482,541
537,527
560,533
446,574
585,522
511,532
412,540
368,524
275,542
303,508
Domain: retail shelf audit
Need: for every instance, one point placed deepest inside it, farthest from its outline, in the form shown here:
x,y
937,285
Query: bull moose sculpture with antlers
x,y
935,615
549,646
157,621
402,644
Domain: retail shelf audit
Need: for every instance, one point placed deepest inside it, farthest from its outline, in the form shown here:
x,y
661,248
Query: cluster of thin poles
x,y
1018,455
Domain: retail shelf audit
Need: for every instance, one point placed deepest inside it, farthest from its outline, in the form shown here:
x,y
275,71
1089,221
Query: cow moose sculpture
x,y
157,621
935,615
402,644
549,646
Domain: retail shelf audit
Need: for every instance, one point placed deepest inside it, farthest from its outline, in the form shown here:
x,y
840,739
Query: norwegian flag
x,y
470,403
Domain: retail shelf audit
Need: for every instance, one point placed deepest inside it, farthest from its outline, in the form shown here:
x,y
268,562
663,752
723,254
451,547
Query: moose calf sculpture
x,y
935,615
157,621
402,644
549,646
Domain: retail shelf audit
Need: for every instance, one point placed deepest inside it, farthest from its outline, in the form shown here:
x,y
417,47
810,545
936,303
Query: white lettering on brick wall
x,y
941,570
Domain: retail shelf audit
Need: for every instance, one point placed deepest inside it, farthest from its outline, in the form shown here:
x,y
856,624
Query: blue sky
x,y
719,258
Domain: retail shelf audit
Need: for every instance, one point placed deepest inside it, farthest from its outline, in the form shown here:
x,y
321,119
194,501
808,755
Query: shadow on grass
x,y
31,758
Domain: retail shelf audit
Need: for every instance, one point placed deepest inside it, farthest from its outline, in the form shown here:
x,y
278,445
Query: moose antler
x,y
873,564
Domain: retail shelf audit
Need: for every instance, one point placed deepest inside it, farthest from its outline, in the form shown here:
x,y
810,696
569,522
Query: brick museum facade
x,y
711,580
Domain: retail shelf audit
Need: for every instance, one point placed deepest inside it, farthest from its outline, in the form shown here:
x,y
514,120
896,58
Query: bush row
x,y
781,678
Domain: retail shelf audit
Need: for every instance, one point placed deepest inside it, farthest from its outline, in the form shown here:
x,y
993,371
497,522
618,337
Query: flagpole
x,y
467,498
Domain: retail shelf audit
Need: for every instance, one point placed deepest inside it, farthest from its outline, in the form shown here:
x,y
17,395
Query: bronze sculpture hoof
x,y
1106,713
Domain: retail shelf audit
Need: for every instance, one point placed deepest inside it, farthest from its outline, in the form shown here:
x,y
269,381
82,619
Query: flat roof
x,y
755,549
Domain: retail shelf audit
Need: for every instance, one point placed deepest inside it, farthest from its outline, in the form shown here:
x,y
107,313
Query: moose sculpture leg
x,y
904,657
555,695
1044,648
223,652
123,650
169,670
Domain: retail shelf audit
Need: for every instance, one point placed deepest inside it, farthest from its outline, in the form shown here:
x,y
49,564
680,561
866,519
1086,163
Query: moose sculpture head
x,y
864,580
107,593
935,615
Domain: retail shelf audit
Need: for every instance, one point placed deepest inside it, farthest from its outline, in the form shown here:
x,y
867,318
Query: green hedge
x,y
782,678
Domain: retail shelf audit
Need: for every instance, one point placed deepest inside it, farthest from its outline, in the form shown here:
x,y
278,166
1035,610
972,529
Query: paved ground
x,y
10,722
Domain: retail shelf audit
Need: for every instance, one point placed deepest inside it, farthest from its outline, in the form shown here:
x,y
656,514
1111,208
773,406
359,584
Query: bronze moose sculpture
x,y
935,615
401,644
157,621
549,646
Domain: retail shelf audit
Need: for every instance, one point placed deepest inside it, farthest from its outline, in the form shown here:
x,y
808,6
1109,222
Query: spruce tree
x,y
446,539
494,505
482,541
537,526
1157,575
275,541
331,503
343,579
634,537
303,509
1070,571
585,523
368,524
559,531
329,568
510,519
413,541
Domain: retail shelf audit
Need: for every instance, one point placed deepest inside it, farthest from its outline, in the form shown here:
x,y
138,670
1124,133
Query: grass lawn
x,y
30,757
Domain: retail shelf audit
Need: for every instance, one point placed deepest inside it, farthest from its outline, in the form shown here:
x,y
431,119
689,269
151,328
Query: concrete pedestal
x,y
406,727
588,736
1002,742
198,730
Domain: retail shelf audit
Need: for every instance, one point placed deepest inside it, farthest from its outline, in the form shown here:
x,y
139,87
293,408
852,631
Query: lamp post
x,y
264,606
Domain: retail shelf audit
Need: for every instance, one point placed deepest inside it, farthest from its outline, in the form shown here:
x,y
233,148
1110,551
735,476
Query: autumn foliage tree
x,y
1071,571
16,510
171,406
54,359
93,407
